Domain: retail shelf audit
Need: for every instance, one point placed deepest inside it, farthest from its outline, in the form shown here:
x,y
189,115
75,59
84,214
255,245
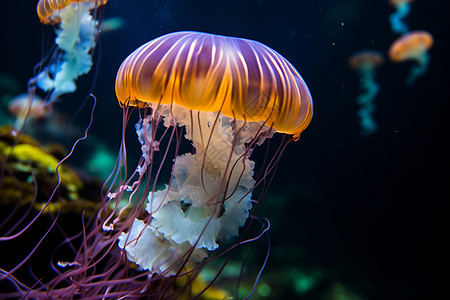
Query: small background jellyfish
x,y
23,108
402,9
112,24
365,63
412,46
76,29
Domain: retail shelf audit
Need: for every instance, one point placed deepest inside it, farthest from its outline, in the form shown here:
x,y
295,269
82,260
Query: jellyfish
x,y
112,24
412,46
224,95
22,108
204,105
402,9
229,95
76,31
365,62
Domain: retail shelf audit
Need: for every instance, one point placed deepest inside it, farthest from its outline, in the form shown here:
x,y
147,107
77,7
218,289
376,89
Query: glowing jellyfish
x,y
76,32
402,9
412,46
230,95
365,63
225,96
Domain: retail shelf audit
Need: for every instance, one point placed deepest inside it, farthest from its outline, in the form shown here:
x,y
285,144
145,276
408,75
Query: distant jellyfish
x,y
21,107
402,9
365,63
76,30
412,46
112,24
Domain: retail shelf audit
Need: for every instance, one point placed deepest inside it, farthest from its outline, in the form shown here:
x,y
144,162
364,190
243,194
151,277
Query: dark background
x,y
368,213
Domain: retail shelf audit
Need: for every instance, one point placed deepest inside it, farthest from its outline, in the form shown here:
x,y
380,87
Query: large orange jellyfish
x,y
412,46
230,95
365,62
226,96
402,9
77,30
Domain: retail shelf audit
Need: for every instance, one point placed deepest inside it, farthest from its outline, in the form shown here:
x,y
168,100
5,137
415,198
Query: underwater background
x,y
352,216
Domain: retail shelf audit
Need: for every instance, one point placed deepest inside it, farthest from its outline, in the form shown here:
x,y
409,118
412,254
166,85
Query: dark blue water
x,y
367,213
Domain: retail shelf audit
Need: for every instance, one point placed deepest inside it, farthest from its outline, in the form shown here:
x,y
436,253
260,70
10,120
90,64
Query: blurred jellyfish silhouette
x,y
112,24
365,63
402,9
412,46
23,108
76,30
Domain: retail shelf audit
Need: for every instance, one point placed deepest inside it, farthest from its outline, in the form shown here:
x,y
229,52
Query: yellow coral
x,y
30,157
28,162
198,284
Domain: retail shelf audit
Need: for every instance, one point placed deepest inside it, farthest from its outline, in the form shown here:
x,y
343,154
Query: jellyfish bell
x,y
37,108
229,95
242,79
76,29
49,11
366,59
396,2
412,46
365,62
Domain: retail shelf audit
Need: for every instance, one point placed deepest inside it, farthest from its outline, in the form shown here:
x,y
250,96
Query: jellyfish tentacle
x,y
398,25
365,63
366,102
419,69
199,223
